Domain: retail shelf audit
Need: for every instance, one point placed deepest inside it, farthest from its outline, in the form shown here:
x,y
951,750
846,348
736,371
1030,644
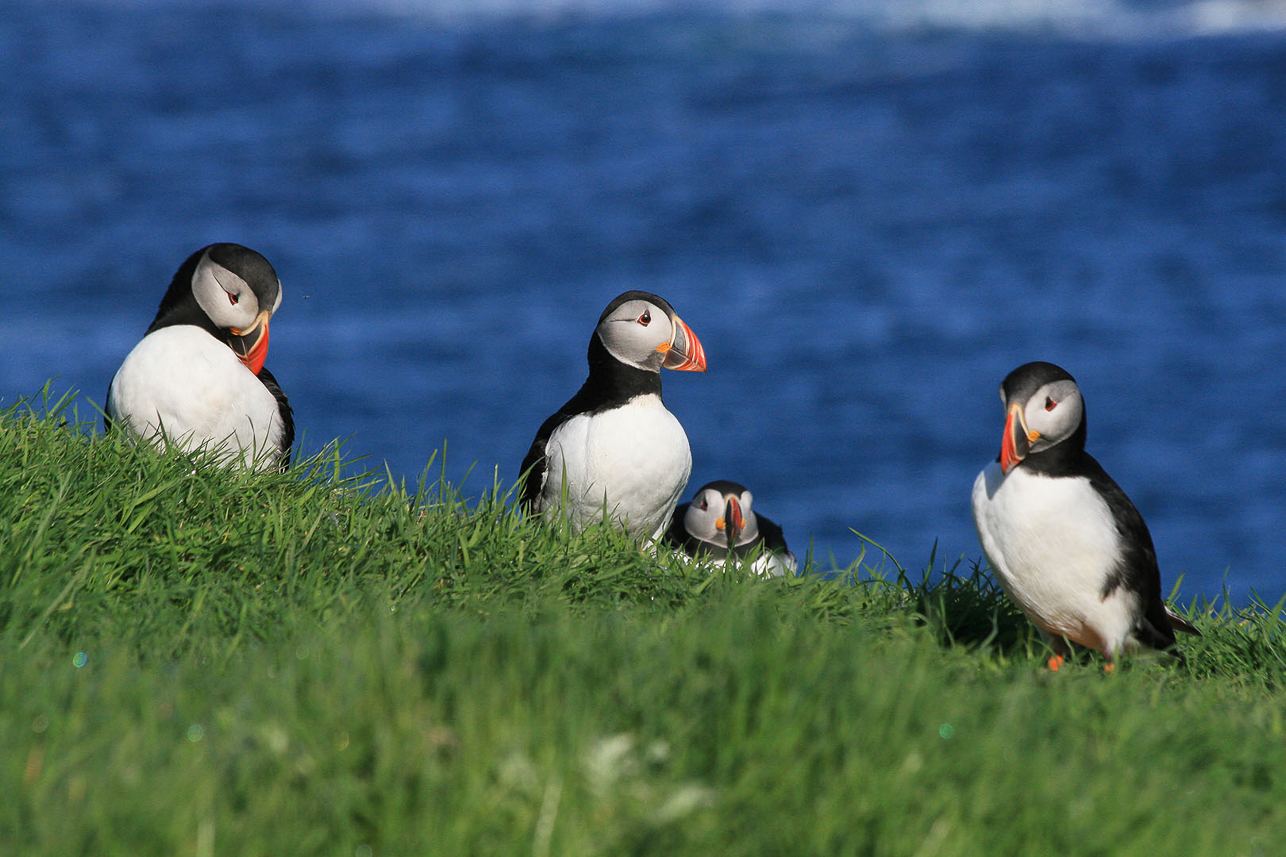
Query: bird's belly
x,y
633,461
1053,544
183,385
775,564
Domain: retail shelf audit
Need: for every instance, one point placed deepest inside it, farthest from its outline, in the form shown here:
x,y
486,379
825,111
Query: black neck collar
x,y
612,382
1062,459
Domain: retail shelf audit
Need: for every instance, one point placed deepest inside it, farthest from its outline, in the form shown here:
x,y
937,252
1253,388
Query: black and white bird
x,y
720,524
197,380
1065,542
613,446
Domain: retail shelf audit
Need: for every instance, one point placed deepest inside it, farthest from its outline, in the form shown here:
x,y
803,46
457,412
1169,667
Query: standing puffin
x,y
197,379
719,523
1065,542
614,446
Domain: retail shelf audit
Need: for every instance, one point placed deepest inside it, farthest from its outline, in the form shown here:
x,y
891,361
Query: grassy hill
x,y
201,662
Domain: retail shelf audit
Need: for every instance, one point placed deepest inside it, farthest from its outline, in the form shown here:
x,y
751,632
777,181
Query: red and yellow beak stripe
x,y
251,344
683,352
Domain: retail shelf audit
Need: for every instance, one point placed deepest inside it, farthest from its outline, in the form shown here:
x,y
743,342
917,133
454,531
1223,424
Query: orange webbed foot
x,y
1054,663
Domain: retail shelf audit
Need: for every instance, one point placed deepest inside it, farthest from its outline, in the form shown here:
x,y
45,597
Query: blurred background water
x,y
869,213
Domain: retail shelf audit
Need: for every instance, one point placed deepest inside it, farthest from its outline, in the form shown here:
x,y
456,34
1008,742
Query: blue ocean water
x,y
868,212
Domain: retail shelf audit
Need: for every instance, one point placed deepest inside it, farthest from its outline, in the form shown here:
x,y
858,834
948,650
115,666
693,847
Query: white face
x,y
226,298
706,518
637,333
700,518
1054,412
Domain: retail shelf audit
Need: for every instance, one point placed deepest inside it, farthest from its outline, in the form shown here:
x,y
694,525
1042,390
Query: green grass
x,y
196,662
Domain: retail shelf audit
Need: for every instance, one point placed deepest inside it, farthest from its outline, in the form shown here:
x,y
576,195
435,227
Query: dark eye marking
x,y
646,318
1050,404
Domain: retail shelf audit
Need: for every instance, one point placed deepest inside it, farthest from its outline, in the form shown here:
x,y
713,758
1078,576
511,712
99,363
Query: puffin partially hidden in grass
x,y
197,380
613,447
1064,540
719,523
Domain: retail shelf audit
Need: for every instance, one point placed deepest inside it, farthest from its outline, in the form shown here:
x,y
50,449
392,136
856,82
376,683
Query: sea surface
x,y
868,212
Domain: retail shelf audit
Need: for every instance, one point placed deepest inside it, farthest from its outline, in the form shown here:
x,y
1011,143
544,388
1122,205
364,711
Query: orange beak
x,y
683,352
732,521
251,345
1015,446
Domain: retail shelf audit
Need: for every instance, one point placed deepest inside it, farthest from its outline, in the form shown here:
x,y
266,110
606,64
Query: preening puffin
x,y
613,446
1065,542
719,523
196,379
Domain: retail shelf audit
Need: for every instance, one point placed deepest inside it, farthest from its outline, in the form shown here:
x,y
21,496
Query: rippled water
x,y
868,218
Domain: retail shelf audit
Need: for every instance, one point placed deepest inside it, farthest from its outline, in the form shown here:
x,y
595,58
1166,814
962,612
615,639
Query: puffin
x,y
613,447
720,524
196,379
1065,542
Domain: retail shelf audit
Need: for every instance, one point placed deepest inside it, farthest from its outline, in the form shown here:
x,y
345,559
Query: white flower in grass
x,y
684,800
610,759
616,765
518,773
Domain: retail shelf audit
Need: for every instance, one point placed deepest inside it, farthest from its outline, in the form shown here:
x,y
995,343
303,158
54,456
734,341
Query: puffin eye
x,y
704,505
233,298
646,318
1050,404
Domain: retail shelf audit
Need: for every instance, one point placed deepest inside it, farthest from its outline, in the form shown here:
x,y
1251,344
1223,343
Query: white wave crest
x,y
1078,18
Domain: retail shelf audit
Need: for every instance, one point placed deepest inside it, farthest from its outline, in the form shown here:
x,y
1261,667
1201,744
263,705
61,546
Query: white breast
x,y
182,384
633,460
775,564
1052,543
767,564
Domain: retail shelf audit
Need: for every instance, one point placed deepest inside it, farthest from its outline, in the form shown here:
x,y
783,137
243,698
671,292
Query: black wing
x,y
287,415
107,410
1137,571
771,534
532,475
676,535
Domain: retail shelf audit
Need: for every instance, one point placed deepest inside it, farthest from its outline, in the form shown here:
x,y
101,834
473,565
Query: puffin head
x,y
1043,408
238,290
720,515
642,330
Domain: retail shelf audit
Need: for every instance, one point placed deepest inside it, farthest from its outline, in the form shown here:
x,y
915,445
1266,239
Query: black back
x,y
770,534
287,414
1137,569
179,305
